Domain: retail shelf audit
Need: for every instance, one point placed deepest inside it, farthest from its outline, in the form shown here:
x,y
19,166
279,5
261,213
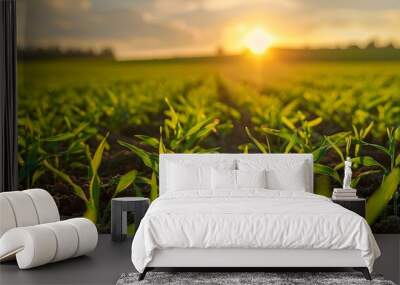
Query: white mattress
x,y
252,219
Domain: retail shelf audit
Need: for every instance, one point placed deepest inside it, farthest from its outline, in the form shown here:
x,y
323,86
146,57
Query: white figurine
x,y
347,174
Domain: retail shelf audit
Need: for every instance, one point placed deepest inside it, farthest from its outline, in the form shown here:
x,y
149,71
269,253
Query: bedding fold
x,y
252,218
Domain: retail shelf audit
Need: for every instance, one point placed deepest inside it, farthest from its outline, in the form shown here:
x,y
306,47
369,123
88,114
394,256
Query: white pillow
x,y
218,163
223,179
281,174
251,178
235,179
181,177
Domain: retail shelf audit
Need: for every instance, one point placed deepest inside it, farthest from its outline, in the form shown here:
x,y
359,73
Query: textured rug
x,y
244,278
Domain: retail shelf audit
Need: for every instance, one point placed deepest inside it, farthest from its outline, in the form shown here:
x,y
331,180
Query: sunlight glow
x,y
257,41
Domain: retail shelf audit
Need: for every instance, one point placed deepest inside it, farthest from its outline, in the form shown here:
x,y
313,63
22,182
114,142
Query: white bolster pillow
x,y
40,244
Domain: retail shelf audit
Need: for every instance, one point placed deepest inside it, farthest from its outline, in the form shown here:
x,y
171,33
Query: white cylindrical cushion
x,y
7,218
45,205
67,240
23,208
33,246
37,245
87,234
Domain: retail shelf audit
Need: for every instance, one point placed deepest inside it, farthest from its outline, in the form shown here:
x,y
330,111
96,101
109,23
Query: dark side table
x,y
119,209
357,205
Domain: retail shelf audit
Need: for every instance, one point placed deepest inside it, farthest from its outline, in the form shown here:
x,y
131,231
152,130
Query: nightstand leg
x,y
116,221
124,227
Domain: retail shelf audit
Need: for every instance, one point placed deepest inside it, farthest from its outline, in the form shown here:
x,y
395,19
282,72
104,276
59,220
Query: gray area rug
x,y
243,278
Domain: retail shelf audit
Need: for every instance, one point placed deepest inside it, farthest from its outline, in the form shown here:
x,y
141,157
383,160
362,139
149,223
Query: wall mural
x,y
105,86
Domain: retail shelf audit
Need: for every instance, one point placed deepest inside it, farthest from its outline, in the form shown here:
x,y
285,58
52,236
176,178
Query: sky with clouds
x,y
153,28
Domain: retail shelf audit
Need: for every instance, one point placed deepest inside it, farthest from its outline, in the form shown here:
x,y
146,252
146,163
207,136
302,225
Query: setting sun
x,y
257,41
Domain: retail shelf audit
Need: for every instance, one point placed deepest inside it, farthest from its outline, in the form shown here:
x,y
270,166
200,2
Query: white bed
x,y
249,227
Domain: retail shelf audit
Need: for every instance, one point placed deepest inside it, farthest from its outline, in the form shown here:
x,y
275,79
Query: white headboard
x,y
209,158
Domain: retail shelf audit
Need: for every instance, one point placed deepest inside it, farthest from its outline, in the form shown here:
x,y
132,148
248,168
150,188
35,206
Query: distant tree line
x,y
372,45
371,51
55,52
353,52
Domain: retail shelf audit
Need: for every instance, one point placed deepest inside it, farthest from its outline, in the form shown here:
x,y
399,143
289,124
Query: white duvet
x,y
253,218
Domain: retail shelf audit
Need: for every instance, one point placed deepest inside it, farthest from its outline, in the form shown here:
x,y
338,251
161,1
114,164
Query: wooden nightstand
x,y
357,205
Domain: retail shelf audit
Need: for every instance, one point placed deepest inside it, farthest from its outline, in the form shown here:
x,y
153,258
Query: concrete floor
x,y
103,266
110,259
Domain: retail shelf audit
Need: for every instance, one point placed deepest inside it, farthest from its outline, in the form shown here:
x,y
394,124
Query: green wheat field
x,y
90,130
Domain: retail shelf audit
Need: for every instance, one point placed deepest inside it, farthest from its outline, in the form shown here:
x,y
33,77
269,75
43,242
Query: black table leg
x,y
116,221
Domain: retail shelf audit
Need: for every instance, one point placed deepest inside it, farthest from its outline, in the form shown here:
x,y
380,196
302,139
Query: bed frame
x,y
260,259
246,259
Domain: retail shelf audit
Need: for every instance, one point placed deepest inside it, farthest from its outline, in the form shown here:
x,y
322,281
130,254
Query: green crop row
x,y
330,110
